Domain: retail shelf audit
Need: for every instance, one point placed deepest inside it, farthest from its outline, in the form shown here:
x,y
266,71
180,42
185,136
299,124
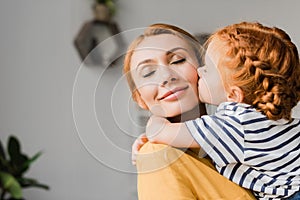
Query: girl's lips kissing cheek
x,y
173,94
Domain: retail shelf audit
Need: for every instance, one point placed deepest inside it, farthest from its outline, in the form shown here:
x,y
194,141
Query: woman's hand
x,y
138,143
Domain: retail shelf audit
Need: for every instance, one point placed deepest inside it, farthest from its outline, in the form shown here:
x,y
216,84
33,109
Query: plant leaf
x,y
2,153
3,161
4,165
10,184
29,182
14,148
17,159
26,164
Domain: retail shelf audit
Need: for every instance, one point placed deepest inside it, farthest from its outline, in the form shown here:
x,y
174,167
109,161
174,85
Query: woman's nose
x,y
168,76
167,81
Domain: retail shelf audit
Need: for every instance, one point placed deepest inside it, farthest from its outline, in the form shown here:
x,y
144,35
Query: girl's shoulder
x,y
235,109
296,111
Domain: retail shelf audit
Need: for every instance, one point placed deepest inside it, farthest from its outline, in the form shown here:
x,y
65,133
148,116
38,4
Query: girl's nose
x,y
201,70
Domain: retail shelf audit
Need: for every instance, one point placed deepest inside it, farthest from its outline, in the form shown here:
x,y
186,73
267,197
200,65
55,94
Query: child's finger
x,y
138,143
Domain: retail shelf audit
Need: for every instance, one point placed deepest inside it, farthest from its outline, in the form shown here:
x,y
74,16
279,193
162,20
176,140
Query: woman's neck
x,y
196,112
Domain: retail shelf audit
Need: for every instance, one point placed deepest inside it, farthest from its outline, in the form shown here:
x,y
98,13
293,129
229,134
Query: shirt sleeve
x,y
220,138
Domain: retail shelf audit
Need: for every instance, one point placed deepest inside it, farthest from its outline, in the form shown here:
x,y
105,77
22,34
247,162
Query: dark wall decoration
x,y
95,31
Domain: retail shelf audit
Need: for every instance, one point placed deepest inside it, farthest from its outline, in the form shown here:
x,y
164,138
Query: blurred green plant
x,y
109,3
13,165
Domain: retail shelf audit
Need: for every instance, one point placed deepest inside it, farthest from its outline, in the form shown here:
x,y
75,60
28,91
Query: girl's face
x,y
163,68
211,85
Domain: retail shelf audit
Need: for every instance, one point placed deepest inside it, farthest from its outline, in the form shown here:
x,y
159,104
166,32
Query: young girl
x,y
252,138
161,68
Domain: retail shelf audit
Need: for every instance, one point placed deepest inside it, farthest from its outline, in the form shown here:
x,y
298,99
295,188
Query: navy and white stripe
x,y
257,153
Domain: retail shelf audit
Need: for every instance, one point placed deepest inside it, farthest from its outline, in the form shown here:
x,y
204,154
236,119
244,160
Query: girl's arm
x,y
160,130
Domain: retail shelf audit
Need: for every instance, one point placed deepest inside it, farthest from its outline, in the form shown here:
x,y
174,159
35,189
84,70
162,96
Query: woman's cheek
x,y
193,79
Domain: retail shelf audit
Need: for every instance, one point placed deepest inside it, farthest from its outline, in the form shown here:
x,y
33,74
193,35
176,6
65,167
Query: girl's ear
x,y
235,94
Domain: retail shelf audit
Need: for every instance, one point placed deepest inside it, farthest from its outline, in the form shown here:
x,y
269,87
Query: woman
x,y
161,68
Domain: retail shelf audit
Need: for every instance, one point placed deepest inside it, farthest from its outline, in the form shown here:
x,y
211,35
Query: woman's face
x,y
164,69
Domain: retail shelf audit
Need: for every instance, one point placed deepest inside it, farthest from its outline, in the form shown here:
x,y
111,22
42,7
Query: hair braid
x,y
264,63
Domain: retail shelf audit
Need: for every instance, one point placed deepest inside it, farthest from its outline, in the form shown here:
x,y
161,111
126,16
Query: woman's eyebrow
x,y
143,62
176,49
167,53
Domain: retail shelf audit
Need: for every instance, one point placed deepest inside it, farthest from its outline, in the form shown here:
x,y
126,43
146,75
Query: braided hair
x,y
264,63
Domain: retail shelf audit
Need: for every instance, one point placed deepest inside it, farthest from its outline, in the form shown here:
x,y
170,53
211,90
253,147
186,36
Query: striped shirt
x,y
249,149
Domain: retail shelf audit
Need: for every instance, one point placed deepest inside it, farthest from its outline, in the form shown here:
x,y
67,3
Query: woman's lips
x,y
174,94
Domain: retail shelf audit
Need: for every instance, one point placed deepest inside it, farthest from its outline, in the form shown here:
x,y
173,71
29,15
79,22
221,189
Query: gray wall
x,y
39,67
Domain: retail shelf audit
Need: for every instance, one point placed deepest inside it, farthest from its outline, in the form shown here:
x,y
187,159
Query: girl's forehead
x,y
216,48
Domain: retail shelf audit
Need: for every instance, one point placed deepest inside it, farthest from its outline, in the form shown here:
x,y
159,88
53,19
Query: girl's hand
x,y
160,130
154,127
138,143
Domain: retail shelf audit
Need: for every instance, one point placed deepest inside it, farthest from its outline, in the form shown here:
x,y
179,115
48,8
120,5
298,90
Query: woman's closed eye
x,y
176,58
178,61
148,74
148,71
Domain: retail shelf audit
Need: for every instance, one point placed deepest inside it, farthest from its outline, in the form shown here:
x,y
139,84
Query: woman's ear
x,y
137,97
235,94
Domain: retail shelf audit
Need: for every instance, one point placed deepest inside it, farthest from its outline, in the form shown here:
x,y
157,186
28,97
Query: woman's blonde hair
x,y
152,30
264,63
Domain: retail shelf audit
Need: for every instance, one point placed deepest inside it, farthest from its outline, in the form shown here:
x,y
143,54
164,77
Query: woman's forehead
x,y
162,42
158,46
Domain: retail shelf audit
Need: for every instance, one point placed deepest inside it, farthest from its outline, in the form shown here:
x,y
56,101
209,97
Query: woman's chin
x,y
174,110
184,115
